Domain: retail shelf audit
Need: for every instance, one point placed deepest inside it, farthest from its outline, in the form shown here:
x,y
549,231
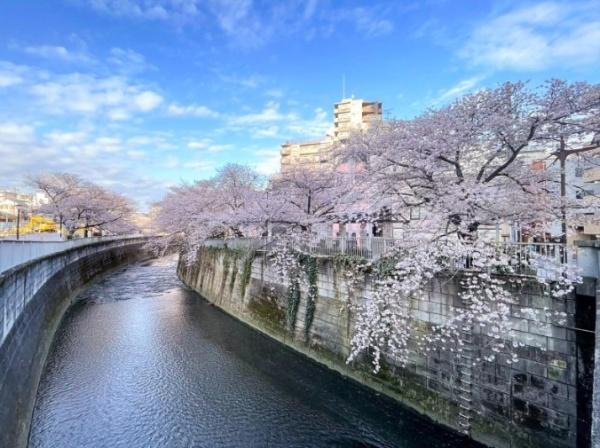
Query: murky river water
x,y
143,362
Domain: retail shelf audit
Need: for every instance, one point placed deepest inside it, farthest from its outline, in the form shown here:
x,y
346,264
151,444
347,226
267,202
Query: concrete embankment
x,y
531,403
33,299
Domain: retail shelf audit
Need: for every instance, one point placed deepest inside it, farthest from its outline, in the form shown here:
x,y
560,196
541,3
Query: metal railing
x,y
527,259
239,243
370,248
16,252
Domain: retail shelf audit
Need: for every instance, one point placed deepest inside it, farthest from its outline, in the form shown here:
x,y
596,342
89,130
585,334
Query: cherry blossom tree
x,y
237,202
464,166
57,188
460,168
224,206
312,195
82,205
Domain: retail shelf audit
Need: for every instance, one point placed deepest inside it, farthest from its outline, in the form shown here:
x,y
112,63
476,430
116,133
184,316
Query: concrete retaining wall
x,y
532,403
33,299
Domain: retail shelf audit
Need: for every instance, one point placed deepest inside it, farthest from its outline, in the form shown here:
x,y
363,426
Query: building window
x,y
415,213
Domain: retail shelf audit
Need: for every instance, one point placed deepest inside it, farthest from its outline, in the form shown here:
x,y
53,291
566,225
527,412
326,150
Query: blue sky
x,y
139,95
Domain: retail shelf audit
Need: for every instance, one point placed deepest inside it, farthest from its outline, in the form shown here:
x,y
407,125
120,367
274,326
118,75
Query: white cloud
x,y
200,165
270,113
128,61
207,145
76,93
12,74
172,162
103,159
315,126
9,79
16,133
248,24
136,154
250,82
147,100
275,93
191,110
271,122
64,138
156,141
268,132
270,162
459,89
147,9
57,53
537,37
368,21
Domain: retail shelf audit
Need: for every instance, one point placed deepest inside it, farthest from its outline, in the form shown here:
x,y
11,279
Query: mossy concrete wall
x,y
532,403
33,298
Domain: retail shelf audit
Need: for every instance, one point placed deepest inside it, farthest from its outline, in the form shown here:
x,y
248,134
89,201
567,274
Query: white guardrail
x,y
16,252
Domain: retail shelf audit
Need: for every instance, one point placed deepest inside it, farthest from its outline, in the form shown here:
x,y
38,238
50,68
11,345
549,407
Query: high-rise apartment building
x,y
350,115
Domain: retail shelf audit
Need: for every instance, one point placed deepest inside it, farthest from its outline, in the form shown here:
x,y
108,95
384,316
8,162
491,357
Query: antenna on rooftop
x,y
343,86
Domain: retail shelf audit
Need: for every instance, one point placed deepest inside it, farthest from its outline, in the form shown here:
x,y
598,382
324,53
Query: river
x,y
142,361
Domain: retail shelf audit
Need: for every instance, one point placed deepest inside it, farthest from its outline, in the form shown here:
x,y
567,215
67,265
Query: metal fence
x,y
239,243
373,248
15,252
370,248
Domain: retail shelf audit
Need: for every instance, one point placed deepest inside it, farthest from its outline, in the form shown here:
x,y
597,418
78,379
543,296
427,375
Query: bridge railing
x,y
16,252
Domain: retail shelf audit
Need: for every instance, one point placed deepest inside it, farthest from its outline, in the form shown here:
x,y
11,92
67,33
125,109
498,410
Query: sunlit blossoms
x,y
79,205
445,180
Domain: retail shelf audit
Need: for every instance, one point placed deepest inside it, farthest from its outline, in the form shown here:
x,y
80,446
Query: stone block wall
x,y
33,298
530,403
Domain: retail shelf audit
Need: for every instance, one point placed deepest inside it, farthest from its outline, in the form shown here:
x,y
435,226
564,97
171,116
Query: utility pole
x,y
18,221
562,154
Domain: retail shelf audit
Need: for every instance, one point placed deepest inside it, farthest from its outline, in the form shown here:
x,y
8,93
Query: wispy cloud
x,y
128,61
271,122
269,114
193,110
9,79
536,37
370,22
269,161
114,97
99,158
249,82
148,9
57,53
15,133
251,24
207,145
462,87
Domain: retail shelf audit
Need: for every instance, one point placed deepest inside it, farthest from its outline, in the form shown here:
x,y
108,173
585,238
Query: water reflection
x,y
143,362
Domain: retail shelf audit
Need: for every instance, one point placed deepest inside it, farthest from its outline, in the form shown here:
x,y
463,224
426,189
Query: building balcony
x,y
591,229
371,108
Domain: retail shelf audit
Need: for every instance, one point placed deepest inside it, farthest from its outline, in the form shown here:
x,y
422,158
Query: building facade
x,y
13,203
350,115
